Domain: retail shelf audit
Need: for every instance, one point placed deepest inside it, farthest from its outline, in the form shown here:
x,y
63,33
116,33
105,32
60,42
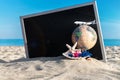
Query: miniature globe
x,y
85,36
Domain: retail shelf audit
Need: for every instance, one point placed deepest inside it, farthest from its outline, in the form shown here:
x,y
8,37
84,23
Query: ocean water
x,y
112,42
20,42
11,42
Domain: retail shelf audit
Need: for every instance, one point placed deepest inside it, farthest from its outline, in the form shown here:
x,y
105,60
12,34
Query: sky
x,y
11,10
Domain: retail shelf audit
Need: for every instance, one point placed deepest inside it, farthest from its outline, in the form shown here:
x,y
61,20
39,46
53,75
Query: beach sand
x,y
14,66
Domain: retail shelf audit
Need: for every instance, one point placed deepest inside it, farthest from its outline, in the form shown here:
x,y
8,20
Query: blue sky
x,y
11,10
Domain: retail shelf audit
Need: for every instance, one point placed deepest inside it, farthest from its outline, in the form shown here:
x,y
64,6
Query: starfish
x,y
74,53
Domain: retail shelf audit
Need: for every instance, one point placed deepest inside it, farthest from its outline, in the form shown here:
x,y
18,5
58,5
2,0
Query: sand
x,y
14,66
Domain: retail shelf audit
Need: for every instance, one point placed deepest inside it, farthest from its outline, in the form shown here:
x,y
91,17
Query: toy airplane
x,y
85,23
73,53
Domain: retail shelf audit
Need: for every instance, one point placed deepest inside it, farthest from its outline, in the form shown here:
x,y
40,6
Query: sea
x,y
20,42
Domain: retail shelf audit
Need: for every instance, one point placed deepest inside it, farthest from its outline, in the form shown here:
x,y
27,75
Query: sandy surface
x,y
14,66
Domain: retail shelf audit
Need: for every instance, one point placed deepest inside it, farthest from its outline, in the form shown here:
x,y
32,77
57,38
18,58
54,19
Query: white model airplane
x,y
85,23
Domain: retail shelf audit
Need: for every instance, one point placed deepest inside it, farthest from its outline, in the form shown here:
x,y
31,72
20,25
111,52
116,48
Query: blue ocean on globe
x,y
20,42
